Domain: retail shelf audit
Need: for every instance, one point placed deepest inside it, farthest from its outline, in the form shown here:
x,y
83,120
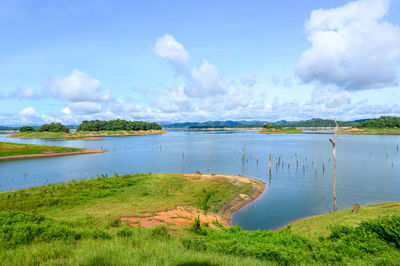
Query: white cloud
x,y
174,101
353,47
168,48
85,107
76,87
237,98
200,82
249,79
28,111
330,97
205,81
66,111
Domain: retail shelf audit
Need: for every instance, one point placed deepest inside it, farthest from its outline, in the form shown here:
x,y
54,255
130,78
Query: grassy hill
x,y
11,149
85,223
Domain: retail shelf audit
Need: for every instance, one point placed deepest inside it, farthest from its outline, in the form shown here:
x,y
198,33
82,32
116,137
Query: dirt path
x,y
41,155
185,215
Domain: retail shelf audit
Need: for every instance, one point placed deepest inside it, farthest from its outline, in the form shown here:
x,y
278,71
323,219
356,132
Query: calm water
x,y
368,167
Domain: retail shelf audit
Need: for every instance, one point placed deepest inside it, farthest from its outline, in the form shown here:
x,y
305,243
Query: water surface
x,y
368,167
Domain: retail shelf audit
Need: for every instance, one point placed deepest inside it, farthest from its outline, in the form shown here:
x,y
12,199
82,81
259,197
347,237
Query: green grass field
x,y
81,134
10,149
290,130
316,226
79,223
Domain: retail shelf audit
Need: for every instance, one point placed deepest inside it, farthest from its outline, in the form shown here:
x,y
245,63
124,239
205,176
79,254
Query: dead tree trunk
x,y
334,165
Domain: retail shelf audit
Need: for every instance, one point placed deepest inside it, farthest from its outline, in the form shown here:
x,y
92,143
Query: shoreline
x,y
240,201
91,135
297,221
43,155
184,215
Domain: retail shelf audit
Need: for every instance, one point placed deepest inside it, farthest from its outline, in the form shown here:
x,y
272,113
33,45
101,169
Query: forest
x,y
113,125
381,122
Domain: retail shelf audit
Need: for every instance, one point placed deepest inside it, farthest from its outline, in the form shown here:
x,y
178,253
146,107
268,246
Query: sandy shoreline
x,y
181,215
41,155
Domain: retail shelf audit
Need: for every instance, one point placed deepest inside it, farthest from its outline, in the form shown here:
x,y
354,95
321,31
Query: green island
x,y
178,219
89,130
276,129
384,125
10,150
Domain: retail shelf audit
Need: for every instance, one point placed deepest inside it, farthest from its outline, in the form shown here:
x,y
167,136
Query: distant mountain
x,y
8,128
314,122
208,124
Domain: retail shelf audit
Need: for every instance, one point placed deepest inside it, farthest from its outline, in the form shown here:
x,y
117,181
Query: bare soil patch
x,y
185,215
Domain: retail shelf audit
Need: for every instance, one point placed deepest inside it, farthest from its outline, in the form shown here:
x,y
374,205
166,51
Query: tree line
x,y
113,125
381,122
52,127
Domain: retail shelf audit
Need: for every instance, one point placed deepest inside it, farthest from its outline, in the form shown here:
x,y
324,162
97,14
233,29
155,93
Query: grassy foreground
x,y
290,130
79,223
11,149
370,131
82,134
319,225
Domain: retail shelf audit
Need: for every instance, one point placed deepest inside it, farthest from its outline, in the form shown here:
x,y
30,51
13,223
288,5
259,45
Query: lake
x,y
368,167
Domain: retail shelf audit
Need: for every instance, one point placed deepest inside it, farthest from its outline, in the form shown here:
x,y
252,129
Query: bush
x,y
116,222
160,231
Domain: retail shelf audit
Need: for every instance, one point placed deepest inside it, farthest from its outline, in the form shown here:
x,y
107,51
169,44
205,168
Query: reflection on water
x,y
298,176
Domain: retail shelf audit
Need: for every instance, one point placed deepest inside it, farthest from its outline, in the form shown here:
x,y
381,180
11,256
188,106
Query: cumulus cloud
x,y
205,81
352,46
174,101
76,87
237,98
28,115
168,48
332,97
28,111
85,107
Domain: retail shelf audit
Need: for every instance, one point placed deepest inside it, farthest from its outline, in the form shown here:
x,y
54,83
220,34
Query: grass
x,y
319,225
128,195
78,223
370,131
290,130
10,149
81,134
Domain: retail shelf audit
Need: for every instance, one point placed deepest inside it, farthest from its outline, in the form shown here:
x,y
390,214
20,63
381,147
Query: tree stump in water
x,y
356,207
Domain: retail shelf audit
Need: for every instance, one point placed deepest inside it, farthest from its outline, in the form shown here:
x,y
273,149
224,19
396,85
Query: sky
x,y
67,61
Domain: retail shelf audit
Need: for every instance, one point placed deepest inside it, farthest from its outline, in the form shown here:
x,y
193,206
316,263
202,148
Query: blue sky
x,y
69,60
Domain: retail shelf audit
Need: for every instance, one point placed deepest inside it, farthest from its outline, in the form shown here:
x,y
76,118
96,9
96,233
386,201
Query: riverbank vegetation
x,y
11,149
80,222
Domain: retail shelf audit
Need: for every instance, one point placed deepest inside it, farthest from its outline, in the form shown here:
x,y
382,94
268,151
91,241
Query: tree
x,y
53,127
334,164
26,129
113,125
